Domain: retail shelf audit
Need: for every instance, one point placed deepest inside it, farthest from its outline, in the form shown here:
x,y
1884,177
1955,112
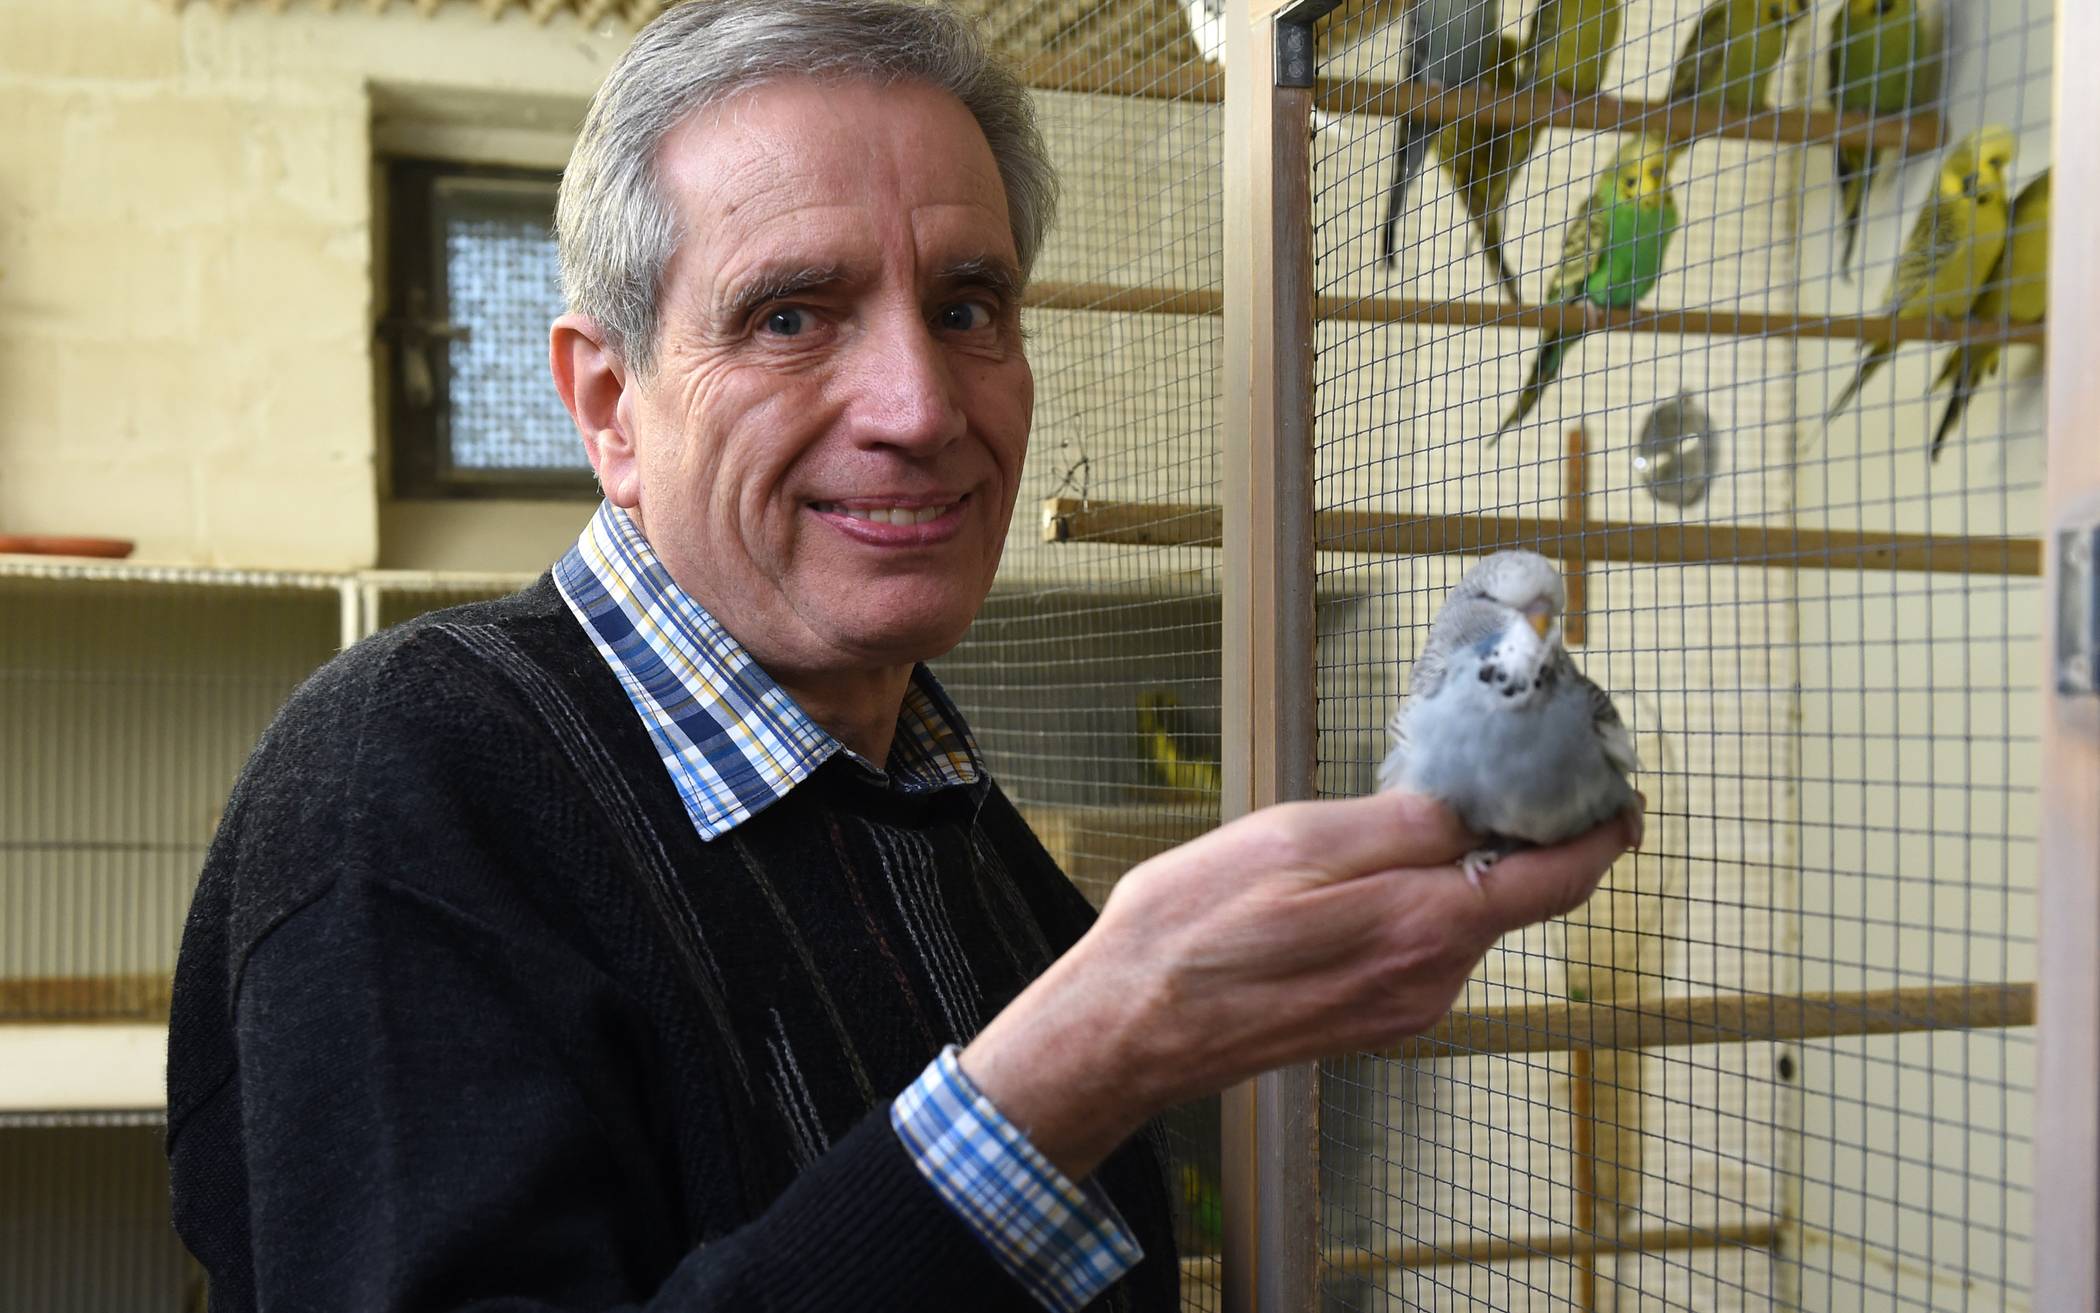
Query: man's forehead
x,y
804,144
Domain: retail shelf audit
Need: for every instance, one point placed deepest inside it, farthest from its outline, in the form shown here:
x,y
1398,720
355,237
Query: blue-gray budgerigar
x,y
1450,43
1500,725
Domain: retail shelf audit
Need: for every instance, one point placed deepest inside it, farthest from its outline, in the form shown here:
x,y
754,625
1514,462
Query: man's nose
x,y
906,388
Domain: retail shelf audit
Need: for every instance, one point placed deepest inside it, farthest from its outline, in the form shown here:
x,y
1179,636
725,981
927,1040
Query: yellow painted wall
x,y
186,247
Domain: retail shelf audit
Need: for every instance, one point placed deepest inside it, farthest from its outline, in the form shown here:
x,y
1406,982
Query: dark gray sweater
x,y
468,1017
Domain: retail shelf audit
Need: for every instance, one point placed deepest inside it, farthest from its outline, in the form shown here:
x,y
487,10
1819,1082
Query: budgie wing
x,y
1703,65
1582,246
1463,623
1612,734
1935,238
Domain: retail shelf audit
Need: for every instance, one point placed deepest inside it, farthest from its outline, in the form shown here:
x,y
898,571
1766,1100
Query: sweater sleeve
x,y
445,1101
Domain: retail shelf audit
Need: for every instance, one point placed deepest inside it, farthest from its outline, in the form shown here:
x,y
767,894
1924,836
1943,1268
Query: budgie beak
x,y
1540,617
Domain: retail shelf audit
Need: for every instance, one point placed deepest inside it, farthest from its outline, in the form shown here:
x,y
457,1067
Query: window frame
x,y
419,438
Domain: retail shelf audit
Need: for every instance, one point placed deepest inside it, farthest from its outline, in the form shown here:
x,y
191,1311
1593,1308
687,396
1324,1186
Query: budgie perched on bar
x,y
1886,57
1173,745
1498,723
1611,257
1956,239
1481,162
2016,291
1730,57
1450,43
1569,45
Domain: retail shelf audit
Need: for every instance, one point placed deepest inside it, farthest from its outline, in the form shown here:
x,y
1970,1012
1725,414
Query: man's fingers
x,y
1359,836
1537,884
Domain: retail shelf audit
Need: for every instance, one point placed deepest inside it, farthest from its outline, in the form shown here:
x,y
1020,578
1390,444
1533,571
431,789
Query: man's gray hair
x,y
616,227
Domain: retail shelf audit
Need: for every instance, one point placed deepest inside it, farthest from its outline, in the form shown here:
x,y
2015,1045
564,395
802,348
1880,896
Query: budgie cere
x,y
1498,723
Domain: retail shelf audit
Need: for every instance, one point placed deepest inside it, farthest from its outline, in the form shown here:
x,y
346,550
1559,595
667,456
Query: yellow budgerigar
x,y
1958,236
1729,59
1481,163
2015,292
1173,745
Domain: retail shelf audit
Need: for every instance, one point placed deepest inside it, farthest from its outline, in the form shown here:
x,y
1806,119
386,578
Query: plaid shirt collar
x,y
732,739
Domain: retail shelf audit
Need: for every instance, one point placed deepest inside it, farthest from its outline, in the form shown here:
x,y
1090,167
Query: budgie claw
x,y
1476,863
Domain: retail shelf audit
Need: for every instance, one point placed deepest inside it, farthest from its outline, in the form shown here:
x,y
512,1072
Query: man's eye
x,y
964,316
787,321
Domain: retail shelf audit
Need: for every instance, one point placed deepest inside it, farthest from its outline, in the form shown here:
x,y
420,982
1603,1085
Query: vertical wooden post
x,y
2067,1104
1575,567
1582,1108
1270,1167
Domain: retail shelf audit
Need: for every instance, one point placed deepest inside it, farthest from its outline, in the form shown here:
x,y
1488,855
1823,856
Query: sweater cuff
x,y
1064,1243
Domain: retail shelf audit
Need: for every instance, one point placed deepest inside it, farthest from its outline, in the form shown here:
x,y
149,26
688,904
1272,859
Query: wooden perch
x,y
1720,1019
1916,134
1203,84
1396,533
1865,329
1520,1249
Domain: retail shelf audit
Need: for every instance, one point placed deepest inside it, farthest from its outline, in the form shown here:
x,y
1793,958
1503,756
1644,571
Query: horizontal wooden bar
x,y
1200,83
133,997
1721,1019
1069,519
1913,134
1519,1249
1107,297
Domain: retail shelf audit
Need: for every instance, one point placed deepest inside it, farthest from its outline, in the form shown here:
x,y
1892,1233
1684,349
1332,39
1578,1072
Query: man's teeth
x,y
891,514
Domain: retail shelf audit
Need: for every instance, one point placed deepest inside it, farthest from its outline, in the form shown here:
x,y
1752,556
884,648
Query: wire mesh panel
x,y
1782,1058
128,705
1091,676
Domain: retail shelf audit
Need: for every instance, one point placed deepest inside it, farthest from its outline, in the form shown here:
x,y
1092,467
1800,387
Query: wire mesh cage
x,y
1091,675
1783,1057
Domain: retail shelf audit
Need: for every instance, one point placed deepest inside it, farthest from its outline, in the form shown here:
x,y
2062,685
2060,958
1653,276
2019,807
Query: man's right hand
x,y
1293,933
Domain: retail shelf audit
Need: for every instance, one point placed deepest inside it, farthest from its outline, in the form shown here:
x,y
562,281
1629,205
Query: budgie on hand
x,y
2015,291
1885,58
1958,236
1611,258
1450,43
1500,726
1730,57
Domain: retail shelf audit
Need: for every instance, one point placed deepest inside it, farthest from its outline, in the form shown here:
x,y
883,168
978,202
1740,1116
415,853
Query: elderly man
x,y
654,938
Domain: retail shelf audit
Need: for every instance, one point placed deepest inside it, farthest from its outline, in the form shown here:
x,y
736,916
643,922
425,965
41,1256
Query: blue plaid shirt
x,y
734,742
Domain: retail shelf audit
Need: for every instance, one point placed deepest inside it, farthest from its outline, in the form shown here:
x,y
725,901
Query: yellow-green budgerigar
x,y
1568,46
1481,163
2016,291
1611,257
1886,57
1956,239
1730,57
1566,50
1172,745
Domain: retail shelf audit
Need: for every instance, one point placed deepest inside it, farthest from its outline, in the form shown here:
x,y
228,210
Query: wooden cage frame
x,y
1269,531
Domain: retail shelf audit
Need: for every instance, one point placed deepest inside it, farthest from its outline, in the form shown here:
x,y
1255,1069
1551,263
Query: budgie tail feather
x,y
1413,150
1545,367
1868,368
1855,177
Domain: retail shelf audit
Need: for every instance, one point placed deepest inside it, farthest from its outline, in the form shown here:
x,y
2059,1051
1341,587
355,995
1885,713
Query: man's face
x,y
827,454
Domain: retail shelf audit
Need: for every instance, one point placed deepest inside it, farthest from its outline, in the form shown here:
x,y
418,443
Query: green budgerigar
x,y
1886,57
1611,258
1730,57
2015,292
1956,239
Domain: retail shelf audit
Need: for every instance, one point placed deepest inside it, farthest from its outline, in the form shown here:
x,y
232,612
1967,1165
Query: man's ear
x,y
594,387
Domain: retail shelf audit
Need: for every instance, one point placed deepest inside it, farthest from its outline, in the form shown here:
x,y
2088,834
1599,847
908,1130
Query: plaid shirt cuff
x,y
1064,1243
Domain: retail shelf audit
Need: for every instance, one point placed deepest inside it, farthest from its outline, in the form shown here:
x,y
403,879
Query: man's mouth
x,y
877,513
